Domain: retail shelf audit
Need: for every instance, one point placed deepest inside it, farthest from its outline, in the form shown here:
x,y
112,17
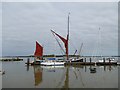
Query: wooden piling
x,y
104,60
85,60
28,61
109,61
90,60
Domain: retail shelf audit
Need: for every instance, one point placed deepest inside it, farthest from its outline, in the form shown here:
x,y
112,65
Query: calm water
x,y
18,75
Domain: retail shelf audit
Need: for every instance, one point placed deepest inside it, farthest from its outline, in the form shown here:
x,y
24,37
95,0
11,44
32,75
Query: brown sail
x,y
39,50
65,41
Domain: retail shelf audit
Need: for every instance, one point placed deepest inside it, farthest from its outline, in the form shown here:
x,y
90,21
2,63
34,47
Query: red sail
x,y
39,50
65,41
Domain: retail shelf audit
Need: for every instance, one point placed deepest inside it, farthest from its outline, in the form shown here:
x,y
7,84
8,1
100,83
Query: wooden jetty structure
x,y
85,62
106,63
90,62
11,59
79,63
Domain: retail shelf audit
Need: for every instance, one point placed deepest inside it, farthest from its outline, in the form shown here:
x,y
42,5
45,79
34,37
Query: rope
x,y
58,43
73,47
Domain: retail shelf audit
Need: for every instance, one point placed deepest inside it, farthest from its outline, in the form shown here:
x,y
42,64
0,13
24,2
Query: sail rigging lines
x,y
100,42
58,42
72,44
97,49
65,41
80,49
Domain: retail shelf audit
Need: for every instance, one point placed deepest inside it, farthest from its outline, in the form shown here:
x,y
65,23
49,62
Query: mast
x,y
67,53
64,40
100,42
68,25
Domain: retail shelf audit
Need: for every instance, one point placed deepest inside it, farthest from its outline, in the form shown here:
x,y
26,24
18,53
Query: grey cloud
x,y
24,23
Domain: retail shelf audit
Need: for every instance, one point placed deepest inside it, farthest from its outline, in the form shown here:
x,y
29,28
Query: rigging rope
x,y
58,43
73,47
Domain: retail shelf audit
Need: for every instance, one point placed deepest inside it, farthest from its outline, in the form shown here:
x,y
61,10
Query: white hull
x,y
107,61
50,67
52,63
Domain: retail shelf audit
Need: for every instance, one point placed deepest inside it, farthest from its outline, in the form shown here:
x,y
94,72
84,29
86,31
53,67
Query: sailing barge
x,y
65,41
38,60
68,61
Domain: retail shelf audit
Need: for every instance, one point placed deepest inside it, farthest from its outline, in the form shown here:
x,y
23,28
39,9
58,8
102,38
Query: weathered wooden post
x,y
109,61
28,61
85,60
104,60
104,68
90,60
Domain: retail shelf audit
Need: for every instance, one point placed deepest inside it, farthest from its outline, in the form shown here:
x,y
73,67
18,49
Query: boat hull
x,y
75,60
52,63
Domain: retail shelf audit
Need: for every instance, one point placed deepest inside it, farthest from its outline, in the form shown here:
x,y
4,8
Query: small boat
x,y
75,60
110,60
78,59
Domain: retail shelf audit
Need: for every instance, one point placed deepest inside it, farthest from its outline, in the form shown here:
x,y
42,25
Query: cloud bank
x,y
24,23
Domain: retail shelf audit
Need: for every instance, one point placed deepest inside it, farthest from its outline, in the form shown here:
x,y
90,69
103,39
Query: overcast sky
x,y
24,23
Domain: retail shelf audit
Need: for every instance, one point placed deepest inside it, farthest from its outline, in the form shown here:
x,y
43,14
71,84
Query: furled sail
x,y
39,50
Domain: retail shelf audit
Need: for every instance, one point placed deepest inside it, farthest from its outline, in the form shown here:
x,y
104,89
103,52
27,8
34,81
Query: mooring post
x,y
85,60
104,60
28,60
109,61
90,60
104,68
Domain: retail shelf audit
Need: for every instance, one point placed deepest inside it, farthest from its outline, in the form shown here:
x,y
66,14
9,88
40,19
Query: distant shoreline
x,y
59,56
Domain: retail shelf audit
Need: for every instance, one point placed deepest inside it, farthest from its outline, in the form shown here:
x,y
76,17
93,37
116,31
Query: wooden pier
x,y
79,63
85,61
11,59
32,63
106,63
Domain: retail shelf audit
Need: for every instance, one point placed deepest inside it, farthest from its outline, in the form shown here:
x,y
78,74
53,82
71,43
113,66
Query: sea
x,y
19,75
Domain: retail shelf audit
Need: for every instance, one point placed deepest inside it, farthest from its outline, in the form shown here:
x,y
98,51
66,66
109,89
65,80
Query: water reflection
x,y
37,75
66,81
92,69
81,76
27,67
